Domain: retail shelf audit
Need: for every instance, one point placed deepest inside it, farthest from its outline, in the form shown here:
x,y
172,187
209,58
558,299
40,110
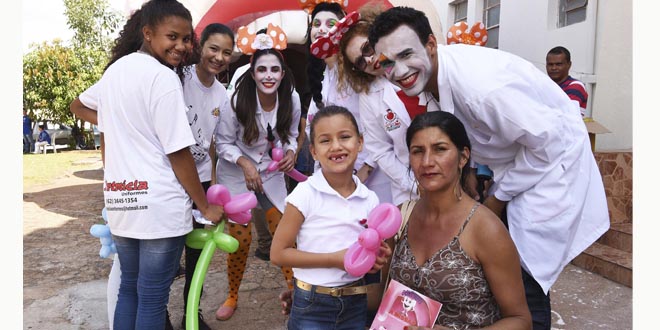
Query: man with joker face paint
x,y
547,186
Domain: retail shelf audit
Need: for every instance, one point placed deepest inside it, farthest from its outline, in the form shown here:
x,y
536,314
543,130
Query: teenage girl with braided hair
x,y
263,115
141,112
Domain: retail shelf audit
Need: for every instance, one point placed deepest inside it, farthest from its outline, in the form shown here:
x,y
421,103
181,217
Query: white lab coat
x,y
230,146
526,129
386,121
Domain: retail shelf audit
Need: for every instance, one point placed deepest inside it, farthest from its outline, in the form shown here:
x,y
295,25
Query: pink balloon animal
x,y
278,154
382,223
237,208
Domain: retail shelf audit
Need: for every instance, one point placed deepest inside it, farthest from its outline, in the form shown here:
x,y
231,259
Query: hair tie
x,y
460,34
328,45
248,43
309,5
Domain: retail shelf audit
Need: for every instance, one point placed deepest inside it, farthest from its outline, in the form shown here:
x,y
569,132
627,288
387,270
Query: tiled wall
x,y
616,169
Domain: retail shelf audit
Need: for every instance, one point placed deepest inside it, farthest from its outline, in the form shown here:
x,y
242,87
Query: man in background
x,y
557,64
42,141
28,140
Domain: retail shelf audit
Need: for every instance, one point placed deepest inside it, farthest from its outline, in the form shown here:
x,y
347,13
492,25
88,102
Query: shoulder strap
x,y
474,208
406,210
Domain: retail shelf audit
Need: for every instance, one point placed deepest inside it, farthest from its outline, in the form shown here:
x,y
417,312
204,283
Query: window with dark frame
x,y
460,11
492,22
572,11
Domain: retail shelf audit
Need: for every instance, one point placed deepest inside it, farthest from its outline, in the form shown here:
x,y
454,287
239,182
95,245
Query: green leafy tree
x,y
55,73
51,81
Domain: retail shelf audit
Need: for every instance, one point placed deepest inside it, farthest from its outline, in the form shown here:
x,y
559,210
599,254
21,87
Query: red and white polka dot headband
x,y
328,45
460,34
249,42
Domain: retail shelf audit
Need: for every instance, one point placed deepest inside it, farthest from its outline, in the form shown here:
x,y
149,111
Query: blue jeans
x,y
28,143
316,311
305,162
148,267
537,302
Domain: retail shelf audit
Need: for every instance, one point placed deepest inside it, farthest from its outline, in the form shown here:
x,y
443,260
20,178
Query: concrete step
x,y
619,236
609,262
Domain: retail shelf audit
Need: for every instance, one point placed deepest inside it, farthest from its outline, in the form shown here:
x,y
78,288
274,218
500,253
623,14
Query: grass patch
x,y
42,169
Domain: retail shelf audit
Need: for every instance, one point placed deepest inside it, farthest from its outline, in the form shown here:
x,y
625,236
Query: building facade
x,y
597,33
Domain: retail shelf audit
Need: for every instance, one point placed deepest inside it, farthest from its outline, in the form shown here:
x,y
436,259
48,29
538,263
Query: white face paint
x,y
322,23
268,74
408,64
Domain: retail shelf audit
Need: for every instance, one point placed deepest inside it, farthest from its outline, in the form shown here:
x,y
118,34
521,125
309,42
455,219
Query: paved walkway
x,y
580,300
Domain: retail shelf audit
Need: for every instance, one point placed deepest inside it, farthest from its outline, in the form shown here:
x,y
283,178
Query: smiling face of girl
x,y
216,53
267,74
335,142
169,41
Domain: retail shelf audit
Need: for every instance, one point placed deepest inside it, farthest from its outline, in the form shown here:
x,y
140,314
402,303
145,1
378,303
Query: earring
x,y
419,188
149,39
457,188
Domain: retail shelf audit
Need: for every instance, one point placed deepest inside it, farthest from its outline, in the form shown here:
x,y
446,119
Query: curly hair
x,y
359,81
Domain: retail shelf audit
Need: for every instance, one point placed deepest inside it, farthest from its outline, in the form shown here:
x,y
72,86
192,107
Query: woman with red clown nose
x,y
263,115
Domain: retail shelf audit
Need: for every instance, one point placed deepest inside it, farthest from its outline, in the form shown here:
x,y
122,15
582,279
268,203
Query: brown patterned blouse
x,y
451,277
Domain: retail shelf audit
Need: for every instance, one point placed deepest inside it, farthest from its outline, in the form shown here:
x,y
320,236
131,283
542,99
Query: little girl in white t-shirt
x,y
323,217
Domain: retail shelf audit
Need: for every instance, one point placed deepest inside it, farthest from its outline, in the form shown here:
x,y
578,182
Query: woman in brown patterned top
x,y
451,249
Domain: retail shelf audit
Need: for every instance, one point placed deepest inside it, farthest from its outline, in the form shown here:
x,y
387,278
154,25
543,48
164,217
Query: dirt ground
x,y
64,279
58,249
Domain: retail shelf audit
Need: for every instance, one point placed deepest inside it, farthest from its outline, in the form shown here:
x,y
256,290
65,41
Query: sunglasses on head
x,y
365,50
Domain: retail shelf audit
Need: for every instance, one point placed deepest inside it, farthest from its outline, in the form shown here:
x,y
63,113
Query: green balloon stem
x,y
202,267
196,285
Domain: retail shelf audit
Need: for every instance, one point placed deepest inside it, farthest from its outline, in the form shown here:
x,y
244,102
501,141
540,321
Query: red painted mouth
x,y
408,81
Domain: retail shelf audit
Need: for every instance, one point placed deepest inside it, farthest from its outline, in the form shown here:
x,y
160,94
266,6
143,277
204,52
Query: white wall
x,y
612,105
601,53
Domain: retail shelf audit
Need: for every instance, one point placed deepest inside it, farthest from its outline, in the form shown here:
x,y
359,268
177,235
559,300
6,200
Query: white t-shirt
x,y
332,223
203,104
143,117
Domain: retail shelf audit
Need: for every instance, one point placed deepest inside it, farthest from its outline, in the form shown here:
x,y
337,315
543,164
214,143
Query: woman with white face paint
x,y
334,90
263,116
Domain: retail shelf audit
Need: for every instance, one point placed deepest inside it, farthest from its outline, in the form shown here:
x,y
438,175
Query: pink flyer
x,y
402,306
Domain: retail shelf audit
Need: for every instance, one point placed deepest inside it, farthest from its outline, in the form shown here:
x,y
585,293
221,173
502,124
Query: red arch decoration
x,y
236,13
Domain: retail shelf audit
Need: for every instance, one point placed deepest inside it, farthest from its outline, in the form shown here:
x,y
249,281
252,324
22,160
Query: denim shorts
x,y
316,311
